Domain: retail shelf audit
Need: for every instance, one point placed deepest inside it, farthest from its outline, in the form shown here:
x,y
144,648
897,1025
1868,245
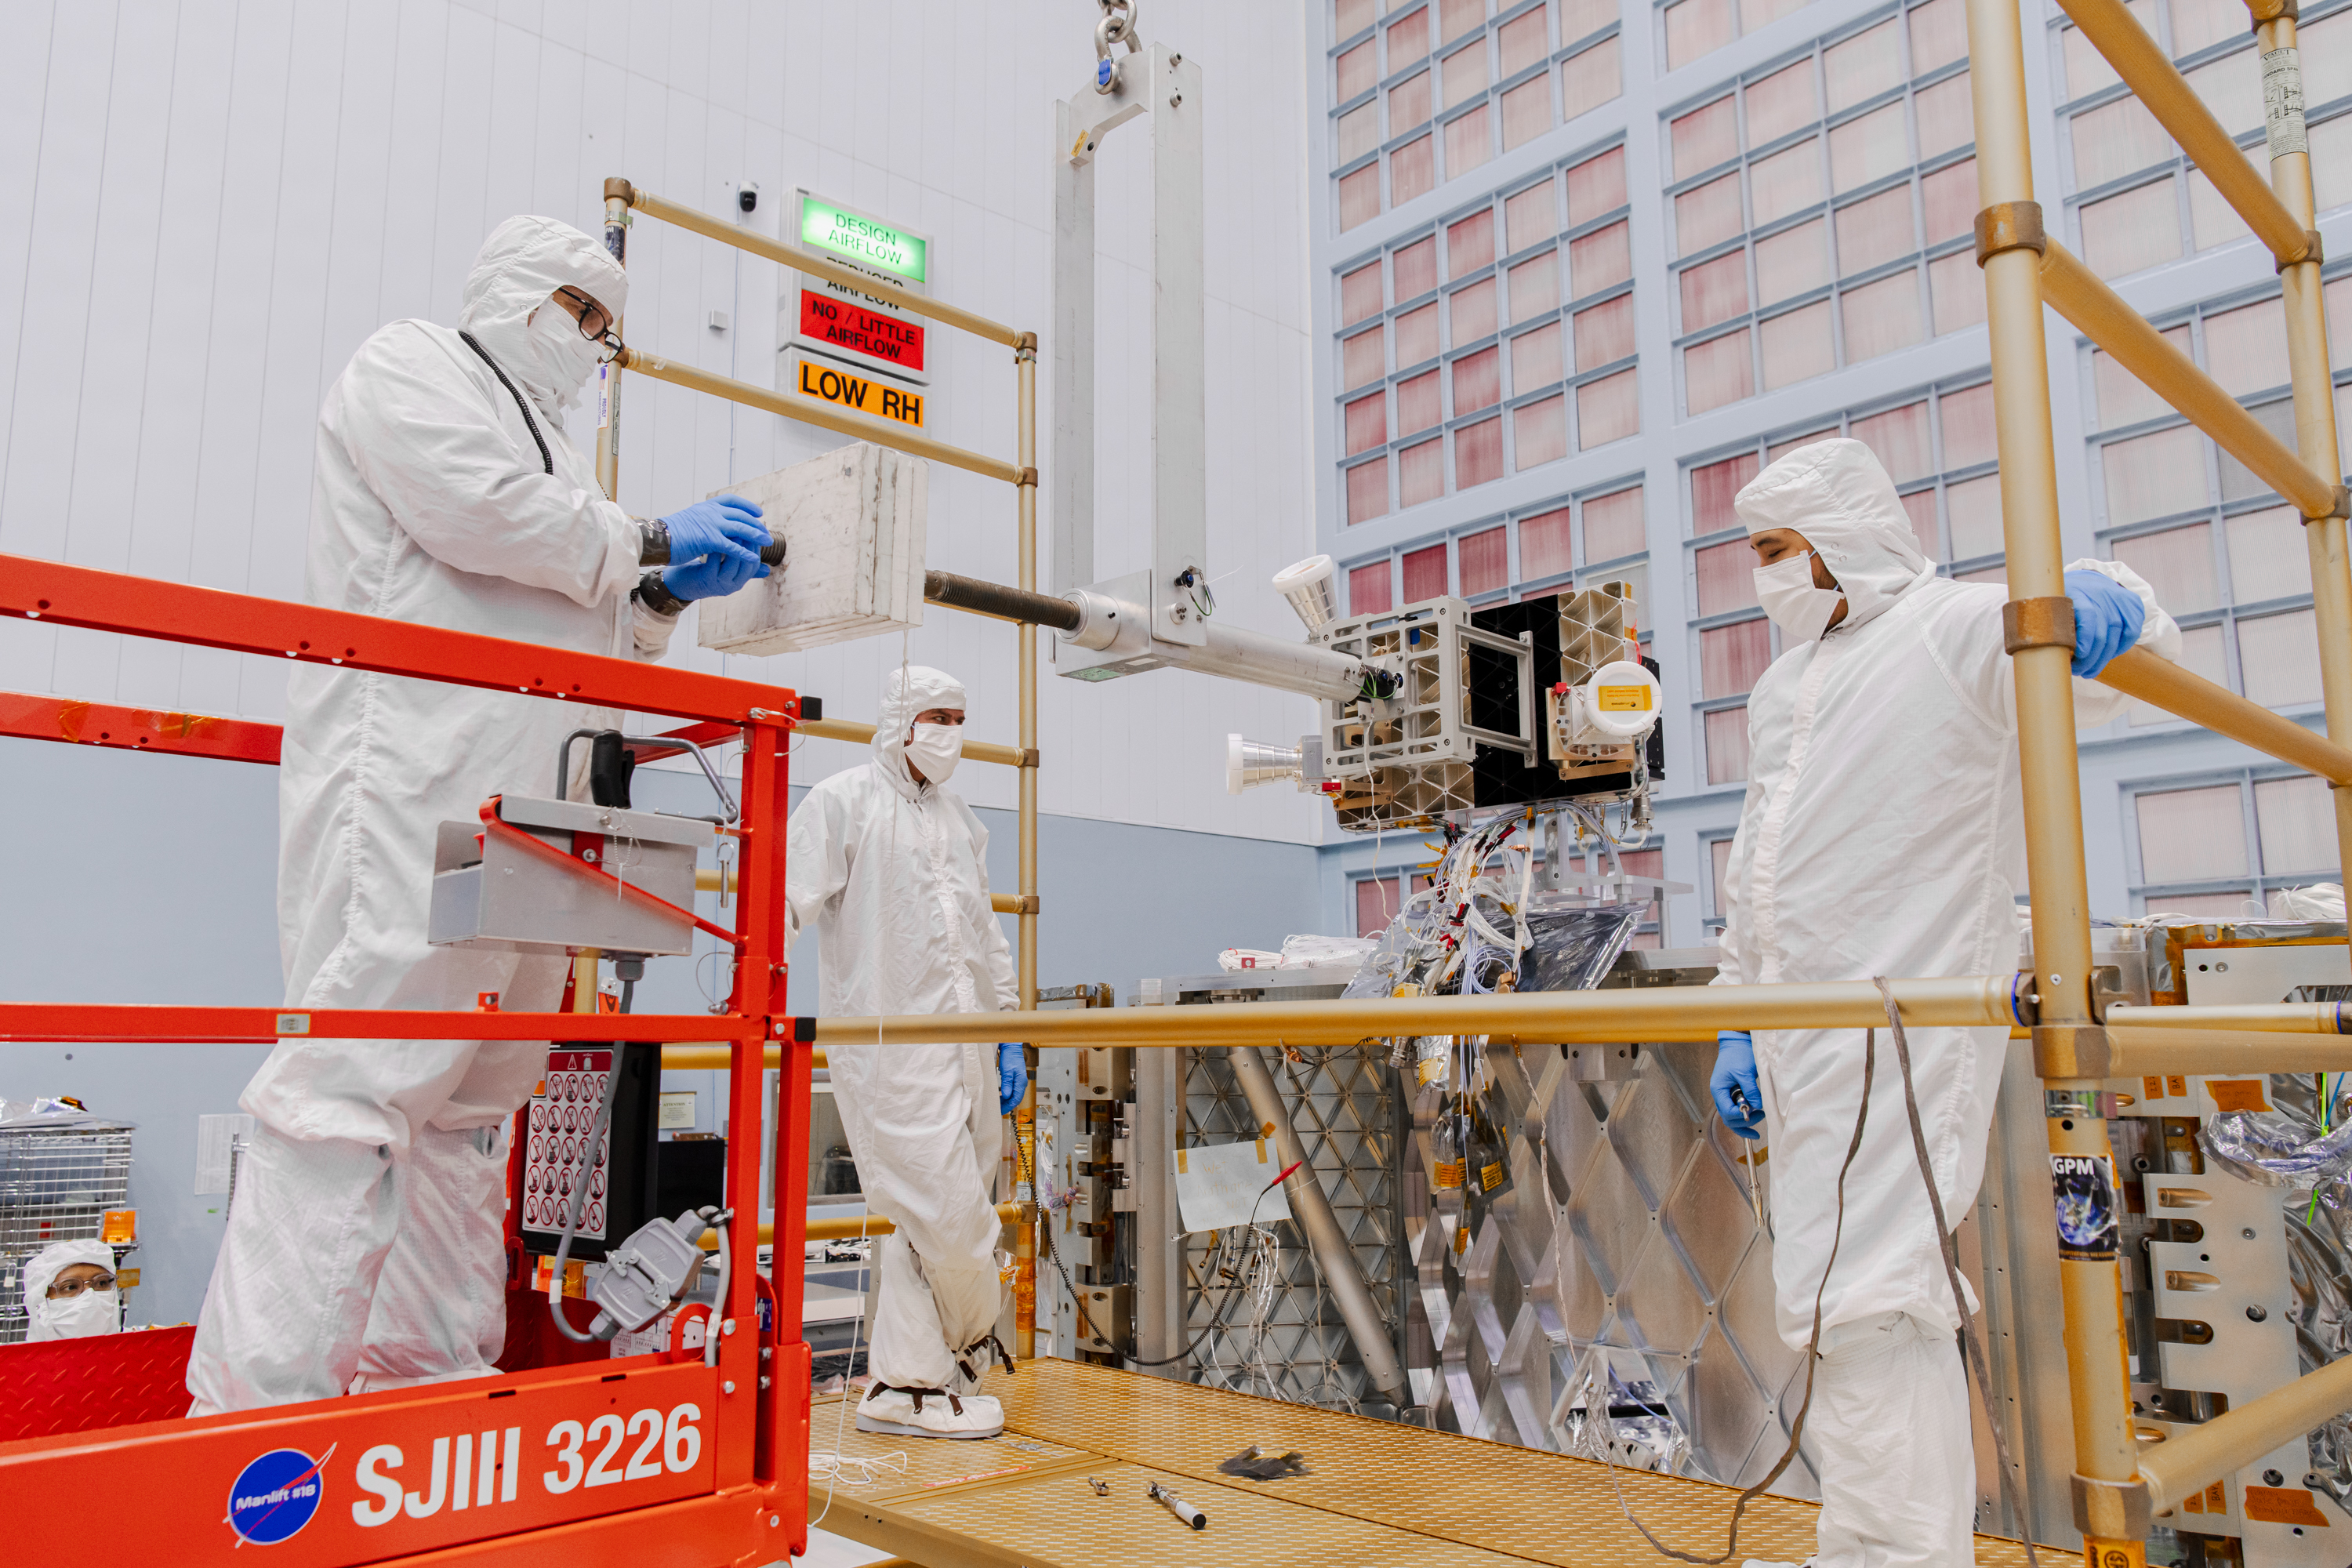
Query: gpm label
x,y
838,386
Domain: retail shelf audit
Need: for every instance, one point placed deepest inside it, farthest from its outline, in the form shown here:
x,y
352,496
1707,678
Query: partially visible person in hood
x,y
891,869
1882,834
70,1291
366,1248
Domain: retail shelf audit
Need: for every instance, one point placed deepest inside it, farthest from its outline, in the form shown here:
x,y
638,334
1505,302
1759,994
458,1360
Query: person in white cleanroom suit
x,y
365,1247
1882,834
70,1291
892,870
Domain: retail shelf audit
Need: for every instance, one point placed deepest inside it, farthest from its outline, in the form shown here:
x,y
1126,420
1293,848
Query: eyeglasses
x,y
67,1290
595,321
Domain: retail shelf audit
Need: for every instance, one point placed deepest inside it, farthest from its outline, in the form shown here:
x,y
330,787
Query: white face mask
x,y
566,359
936,749
1786,591
80,1317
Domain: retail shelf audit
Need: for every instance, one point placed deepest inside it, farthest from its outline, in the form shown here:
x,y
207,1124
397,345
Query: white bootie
x,y
929,1413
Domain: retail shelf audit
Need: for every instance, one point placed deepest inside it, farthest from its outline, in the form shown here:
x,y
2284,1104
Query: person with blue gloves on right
x,y
1882,834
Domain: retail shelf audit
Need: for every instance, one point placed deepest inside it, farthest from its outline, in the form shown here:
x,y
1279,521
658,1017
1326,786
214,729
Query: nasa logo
x,y
275,1495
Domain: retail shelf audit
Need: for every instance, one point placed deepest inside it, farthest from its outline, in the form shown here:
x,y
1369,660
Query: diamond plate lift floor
x,y
1376,1493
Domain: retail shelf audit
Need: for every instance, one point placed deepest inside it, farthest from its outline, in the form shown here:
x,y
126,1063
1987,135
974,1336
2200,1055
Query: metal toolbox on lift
x,y
514,892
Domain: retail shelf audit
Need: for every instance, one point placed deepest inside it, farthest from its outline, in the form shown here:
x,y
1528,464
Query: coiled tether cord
x,y
1949,1250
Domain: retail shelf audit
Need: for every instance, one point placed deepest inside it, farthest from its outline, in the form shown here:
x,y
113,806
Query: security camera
x,y
747,195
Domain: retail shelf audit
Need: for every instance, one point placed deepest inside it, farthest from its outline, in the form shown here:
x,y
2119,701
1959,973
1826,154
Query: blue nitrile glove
x,y
2107,619
723,525
1012,1077
1734,1074
714,575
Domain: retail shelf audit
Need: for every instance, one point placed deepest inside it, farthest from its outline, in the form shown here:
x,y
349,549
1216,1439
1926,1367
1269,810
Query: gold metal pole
x,y
2194,1457
608,406
811,262
1667,1013
584,978
2264,1018
1025,1115
842,1230
2187,695
858,734
2315,393
2077,294
2009,233
719,1058
2165,94
816,411
2146,1053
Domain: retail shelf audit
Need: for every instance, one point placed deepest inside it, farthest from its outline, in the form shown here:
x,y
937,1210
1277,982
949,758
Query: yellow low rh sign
x,y
838,386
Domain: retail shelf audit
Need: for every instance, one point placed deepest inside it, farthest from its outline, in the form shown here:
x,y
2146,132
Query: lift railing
x,y
730,1472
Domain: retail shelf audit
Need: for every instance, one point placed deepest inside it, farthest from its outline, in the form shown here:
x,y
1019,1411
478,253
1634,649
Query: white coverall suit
x,y
894,877
366,1246
1882,834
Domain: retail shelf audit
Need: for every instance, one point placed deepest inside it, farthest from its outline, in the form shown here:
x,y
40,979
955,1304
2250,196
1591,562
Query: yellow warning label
x,y
1624,698
1449,1173
1490,1176
831,385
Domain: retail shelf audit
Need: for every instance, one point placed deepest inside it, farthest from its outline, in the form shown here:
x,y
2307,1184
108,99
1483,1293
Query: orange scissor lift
x,y
647,1459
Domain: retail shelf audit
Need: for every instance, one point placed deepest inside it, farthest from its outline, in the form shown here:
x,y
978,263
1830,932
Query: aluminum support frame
x,y
1162,83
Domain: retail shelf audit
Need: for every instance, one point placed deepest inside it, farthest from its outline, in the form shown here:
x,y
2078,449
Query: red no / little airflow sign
x,y
846,326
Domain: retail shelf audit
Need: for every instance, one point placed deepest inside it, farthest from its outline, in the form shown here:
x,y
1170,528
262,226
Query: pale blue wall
x,y
151,879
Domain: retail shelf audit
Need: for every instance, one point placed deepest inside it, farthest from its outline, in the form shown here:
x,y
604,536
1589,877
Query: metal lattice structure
x,y
1342,1102
1627,1245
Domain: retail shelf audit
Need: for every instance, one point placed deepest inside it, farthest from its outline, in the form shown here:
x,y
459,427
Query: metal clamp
x,y
1027,476
2273,10
2341,506
2073,1051
615,186
2313,251
2037,623
2010,226
2112,1511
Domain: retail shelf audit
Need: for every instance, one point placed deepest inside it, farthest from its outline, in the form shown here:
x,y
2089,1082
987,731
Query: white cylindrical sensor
x,y
1308,587
1620,702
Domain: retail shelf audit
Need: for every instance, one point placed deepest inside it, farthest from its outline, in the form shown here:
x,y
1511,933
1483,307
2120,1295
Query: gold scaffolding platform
x,y
1377,1493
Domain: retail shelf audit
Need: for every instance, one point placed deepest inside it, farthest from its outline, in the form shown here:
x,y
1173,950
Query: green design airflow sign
x,y
846,233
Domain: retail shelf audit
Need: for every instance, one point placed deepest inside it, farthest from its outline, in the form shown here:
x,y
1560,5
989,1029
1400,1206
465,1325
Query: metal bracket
x,y
1162,83
2112,1511
2342,507
2037,623
2273,10
2010,226
2314,252
2073,1051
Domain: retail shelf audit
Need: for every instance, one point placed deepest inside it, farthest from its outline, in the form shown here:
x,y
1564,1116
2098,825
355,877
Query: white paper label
x,y
213,1135
2283,101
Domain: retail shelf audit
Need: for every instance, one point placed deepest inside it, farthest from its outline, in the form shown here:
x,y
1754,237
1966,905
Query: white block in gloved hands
x,y
853,522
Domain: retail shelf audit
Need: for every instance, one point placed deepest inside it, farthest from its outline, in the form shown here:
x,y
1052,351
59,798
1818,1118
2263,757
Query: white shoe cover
x,y
900,1413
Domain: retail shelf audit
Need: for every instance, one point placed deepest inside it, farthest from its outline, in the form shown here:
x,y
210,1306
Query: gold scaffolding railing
x,y
623,199
2117,1491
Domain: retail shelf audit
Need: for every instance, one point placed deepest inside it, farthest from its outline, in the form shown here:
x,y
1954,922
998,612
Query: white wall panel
x,y
226,199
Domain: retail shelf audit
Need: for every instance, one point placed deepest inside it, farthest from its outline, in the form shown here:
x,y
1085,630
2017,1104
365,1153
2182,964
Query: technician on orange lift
x,y
366,1246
